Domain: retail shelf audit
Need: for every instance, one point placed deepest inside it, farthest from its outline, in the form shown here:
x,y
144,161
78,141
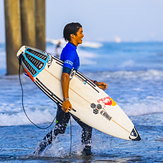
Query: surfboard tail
x,y
134,135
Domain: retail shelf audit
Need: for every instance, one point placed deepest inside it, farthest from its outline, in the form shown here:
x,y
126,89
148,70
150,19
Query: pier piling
x,y
24,25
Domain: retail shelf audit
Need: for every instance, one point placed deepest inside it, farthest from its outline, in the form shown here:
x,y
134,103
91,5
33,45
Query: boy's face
x,y
77,39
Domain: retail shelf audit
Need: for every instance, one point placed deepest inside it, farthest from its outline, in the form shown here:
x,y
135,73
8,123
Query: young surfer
x,y
73,33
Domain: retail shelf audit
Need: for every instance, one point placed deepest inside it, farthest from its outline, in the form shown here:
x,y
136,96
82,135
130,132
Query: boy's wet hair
x,y
71,28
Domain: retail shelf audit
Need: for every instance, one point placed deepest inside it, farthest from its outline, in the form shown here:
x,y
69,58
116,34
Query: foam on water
x,y
86,58
19,118
123,87
134,74
136,92
135,88
38,106
84,44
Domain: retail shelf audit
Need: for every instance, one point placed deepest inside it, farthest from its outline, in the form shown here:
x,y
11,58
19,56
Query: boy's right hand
x,y
66,105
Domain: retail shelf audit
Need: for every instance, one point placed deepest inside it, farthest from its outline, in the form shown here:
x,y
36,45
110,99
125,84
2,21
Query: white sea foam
x,y
136,92
143,107
135,108
19,118
132,104
86,57
143,75
91,44
55,41
84,44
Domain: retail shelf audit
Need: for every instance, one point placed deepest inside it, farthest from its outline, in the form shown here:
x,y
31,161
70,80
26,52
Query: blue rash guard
x,y
70,58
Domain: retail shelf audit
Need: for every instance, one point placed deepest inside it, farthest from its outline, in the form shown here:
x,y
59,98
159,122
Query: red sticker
x,y
29,75
105,101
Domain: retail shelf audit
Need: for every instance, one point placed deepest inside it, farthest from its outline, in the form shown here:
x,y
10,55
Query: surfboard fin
x,y
134,135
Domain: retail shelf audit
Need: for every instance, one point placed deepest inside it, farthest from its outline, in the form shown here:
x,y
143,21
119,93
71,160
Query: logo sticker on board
x,y
97,109
107,101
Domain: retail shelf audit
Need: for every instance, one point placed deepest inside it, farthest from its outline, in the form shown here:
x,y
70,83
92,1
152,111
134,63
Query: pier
x,y
24,25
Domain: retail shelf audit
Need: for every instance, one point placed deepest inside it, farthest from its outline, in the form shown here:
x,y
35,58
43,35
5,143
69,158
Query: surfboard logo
x,y
69,62
98,109
107,101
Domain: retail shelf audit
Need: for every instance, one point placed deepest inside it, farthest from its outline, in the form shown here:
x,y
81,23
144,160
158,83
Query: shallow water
x,y
19,142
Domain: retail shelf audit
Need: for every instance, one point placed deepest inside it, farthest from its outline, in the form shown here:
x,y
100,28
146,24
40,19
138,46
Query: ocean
x,y
134,74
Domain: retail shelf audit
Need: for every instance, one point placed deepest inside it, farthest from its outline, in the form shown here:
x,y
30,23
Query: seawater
x,y
134,74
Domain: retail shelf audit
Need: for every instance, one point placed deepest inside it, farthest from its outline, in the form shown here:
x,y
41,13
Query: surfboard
x,y
90,104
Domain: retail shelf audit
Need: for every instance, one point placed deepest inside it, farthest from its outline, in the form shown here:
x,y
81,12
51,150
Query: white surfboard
x,y
90,104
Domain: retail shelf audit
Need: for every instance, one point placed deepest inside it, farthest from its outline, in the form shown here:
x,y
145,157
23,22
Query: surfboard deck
x,y
90,104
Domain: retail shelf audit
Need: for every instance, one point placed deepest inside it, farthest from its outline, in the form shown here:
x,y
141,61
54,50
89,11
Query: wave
x,y
143,75
132,107
91,44
38,117
55,42
137,90
149,106
84,44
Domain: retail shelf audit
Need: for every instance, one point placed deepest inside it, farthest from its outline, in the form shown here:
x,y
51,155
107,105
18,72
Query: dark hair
x,y
71,28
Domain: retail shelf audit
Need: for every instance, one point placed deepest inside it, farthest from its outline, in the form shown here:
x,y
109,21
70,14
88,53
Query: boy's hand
x,y
66,105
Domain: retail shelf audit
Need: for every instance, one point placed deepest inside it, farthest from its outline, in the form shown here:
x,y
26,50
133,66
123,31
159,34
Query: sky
x,y
103,20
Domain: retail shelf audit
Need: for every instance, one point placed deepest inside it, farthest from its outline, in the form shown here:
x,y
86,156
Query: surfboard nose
x,y
22,49
134,135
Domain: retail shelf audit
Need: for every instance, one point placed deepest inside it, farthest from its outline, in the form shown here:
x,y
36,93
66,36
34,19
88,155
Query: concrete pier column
x,y
24,25
40,24
28,32
13,34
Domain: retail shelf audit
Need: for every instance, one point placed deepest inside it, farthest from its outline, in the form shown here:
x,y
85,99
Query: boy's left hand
x,y
102,85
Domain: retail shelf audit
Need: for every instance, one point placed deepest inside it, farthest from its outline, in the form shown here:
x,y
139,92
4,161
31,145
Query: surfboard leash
x,y
24,108
70,136
33,122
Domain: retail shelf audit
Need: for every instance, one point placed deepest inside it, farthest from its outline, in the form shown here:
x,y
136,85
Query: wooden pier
x,y
24,25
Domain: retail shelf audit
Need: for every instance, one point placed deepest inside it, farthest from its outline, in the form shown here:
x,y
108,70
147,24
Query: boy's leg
x,y
86,137
62,119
